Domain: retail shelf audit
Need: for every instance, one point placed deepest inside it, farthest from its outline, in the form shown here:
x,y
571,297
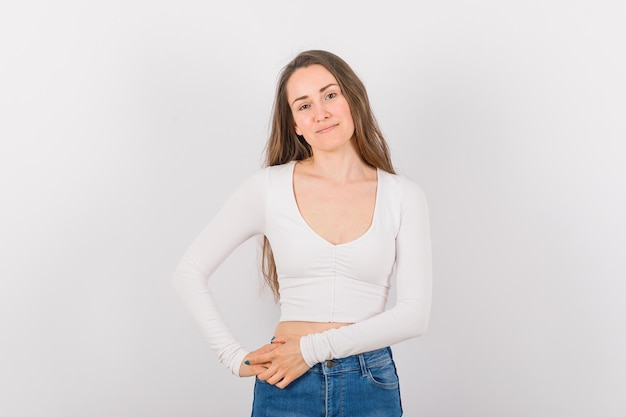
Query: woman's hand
x,y
283,364
257,368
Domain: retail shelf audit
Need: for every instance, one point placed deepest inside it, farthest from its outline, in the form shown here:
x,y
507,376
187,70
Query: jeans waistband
x,y
355,362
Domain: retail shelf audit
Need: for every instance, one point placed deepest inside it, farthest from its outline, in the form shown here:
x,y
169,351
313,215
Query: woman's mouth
x,y
327,128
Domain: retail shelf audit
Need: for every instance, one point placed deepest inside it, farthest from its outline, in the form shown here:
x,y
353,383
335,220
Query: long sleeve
x,y
409,317
241,217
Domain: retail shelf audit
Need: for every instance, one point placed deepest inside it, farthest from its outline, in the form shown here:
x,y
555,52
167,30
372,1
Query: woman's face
x,y
320,111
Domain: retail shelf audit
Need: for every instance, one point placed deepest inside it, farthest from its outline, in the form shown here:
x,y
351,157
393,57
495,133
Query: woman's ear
x,y
298,131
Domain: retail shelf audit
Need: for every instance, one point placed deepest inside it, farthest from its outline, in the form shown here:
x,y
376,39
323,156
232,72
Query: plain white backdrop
x,y
125,124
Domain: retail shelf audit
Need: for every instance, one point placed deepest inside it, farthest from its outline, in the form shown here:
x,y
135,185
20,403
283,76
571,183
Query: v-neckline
x,y
313,231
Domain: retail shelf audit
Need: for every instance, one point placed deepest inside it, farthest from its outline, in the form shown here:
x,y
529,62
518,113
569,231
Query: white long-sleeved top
x,y
319,281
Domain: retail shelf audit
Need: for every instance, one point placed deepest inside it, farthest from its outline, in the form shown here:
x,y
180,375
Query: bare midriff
x,y
303,328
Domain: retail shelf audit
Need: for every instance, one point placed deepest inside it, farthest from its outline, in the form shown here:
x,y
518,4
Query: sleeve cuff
x,y
235,365
312,349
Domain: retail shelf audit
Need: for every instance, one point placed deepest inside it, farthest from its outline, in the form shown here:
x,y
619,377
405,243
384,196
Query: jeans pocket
x,y
383,376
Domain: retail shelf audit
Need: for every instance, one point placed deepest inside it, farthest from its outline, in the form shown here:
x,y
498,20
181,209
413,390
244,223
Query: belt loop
x,y
363,365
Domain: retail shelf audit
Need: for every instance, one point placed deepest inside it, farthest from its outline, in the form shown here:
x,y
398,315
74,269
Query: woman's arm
x,y
241,217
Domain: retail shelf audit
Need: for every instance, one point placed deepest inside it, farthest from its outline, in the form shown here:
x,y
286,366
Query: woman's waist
x,y
303,328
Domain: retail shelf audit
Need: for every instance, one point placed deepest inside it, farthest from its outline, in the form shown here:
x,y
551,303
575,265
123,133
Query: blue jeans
x,y
357,386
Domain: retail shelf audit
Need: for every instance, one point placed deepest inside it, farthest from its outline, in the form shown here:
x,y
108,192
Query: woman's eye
x,y
303,107
331,95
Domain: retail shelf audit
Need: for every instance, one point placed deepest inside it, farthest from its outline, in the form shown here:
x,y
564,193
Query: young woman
x,y
337,223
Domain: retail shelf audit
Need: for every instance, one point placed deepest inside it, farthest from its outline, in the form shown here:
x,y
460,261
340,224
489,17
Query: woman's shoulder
x,y
259,180
401,181
284,169
262,174
402,189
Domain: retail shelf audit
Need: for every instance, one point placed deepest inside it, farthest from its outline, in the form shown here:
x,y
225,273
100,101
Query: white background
x,y
125,124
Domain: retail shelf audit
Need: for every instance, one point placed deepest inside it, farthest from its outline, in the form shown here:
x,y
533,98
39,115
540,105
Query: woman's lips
x,y
328,128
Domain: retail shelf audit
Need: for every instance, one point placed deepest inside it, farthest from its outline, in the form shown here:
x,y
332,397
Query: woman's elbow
x,y
418,322
420,327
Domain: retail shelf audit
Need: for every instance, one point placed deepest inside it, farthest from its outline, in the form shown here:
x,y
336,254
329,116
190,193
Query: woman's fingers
x,y
275,379
282,378
282,359
263,358
252,370
294,372
251,365
260,356
268,374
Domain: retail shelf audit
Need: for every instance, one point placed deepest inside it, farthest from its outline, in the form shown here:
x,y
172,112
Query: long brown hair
x,y
284,145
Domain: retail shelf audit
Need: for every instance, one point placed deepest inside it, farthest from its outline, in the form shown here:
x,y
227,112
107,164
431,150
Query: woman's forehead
x,y
309,80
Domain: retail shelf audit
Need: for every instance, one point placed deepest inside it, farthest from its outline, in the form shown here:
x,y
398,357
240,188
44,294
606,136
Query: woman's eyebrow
x,y
321,91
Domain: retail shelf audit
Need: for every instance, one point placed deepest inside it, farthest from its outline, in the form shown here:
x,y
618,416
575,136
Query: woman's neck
x,y
339,167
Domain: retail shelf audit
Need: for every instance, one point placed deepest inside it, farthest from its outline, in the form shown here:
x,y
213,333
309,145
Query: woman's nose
x,y
322,113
